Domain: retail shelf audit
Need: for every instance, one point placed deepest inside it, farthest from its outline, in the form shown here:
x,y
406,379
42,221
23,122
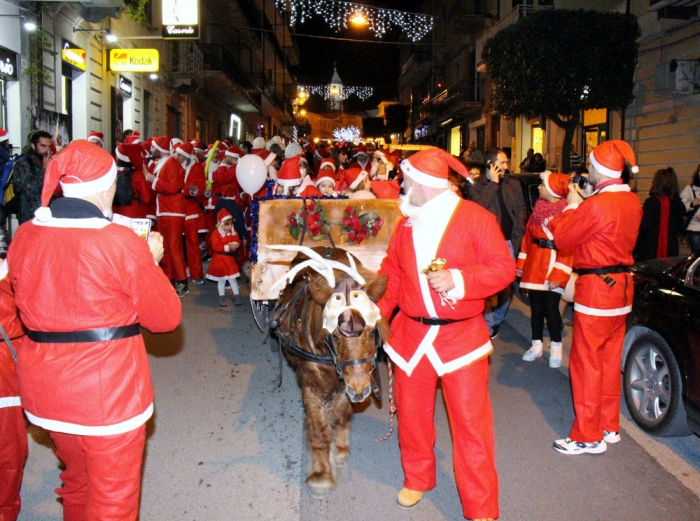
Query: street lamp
x,y
358,18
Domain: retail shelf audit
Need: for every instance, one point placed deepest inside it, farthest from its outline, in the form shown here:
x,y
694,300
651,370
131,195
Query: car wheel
x,y
652,386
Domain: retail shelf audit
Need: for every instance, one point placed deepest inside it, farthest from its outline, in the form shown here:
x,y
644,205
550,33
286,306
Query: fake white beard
x,y
408,210
107,212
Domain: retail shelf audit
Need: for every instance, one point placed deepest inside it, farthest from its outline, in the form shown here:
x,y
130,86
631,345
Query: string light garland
x,y
338,13
343,92
348,134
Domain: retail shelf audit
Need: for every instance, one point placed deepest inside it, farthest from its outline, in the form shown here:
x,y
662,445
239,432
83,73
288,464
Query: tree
x,y
373,127
396,118
558,62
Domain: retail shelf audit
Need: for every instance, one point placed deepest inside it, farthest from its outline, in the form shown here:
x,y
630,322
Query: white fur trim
x,y
95,138
289,182
563,267
121,156
421,177
183,153
163,150
540,287
232,154
359,179
91,223
96,186
87,430
10,401
3,269
604,169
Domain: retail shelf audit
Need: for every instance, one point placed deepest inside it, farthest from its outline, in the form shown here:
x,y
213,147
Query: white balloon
x,y
251,173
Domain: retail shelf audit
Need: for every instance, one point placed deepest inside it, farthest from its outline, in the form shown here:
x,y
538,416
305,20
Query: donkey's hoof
x,y
320,485
341,457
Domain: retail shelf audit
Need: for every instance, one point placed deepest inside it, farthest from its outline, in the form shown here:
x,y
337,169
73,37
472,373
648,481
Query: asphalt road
x,y
227,443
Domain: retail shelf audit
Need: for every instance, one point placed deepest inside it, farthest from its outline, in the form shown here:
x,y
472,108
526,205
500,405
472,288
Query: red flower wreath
x,y
358,227
315,218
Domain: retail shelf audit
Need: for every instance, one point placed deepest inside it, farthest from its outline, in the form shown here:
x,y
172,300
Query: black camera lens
x,y
580,180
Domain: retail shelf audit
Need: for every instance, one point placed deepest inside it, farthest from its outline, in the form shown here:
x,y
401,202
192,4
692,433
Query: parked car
x,y
661,353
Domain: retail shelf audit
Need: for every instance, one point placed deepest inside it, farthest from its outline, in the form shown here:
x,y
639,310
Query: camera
x,y
580,180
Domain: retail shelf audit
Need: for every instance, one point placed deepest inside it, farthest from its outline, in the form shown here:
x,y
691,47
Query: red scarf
x,y
662,244
544,210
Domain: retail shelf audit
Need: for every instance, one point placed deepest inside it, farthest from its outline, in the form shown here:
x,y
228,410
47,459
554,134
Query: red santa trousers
x,y
594,366
194,255
102,479
471,420
13,454
173,262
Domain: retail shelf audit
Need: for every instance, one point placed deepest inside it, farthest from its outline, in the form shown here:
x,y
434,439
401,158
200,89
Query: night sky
x,y
363,64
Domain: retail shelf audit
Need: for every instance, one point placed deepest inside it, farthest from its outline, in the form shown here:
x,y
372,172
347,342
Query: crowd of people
x,y
586,230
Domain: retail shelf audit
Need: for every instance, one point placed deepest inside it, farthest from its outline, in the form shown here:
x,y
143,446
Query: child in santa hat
x,y
543,269
223,266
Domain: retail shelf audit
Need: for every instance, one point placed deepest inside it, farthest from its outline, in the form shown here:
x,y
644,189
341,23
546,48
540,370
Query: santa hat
x,y
609,158
556,184
223,215
132,139
184,149
326,163
96,136
431,167
362,149
325,175
131,153
322,153
275,140
354,175
259,142
4,135
82,168
266,155
292,150
289,174
197,145
309,192
386,189
162,144
234,152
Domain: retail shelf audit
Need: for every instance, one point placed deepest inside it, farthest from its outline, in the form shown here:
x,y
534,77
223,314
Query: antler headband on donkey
x,y
329,328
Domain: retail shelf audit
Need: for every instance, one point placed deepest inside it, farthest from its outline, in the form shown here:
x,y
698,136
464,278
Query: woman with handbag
x,y
691,223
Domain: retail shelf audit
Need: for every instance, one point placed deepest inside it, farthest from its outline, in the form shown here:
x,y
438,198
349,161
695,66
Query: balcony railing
x,y
187,61
518,12
460,97
219,58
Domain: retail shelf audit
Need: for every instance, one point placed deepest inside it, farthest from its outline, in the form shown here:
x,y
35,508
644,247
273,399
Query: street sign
x,y
180,19
134,60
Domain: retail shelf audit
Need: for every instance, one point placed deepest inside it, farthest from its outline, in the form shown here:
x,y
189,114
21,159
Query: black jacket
x,y
648,238
484,194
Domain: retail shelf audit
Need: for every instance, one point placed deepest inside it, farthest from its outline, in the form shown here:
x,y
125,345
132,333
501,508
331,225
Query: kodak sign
x,y
134,60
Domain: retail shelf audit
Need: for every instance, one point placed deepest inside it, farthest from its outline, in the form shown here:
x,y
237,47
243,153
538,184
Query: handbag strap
x,y
9,344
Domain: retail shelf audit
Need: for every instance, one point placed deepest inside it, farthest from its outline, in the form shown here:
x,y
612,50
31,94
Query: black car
x,y
661,354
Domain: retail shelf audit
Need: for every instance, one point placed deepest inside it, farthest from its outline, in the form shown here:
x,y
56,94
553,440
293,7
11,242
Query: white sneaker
x,y
534,352
611,437
555,349
569,446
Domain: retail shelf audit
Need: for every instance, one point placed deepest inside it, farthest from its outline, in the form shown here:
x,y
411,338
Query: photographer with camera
x,y
602,231
501,195
28,174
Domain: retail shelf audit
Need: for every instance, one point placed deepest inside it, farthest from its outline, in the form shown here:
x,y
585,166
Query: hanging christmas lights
x,y
338,13
327,92
348,134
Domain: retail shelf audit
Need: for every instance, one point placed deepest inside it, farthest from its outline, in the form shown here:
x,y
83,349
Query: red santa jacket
x,y
73,272
9,318
469,239
194,189
168,185
541,265
143,194
602,231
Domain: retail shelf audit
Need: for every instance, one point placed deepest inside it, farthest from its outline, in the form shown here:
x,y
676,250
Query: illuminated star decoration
x,y
338,13
349,134
345,91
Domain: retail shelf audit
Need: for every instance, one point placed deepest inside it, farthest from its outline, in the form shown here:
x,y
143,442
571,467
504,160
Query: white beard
x,y
408,210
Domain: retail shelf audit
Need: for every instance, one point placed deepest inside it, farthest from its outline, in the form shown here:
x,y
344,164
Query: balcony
x,y
518,12
458,100
225,78
186,62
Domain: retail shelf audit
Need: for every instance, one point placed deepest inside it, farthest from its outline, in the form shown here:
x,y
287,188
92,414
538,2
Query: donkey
x,y
330,327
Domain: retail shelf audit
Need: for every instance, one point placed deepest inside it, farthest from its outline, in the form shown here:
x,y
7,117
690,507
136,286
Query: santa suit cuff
x,y
457,292
571,206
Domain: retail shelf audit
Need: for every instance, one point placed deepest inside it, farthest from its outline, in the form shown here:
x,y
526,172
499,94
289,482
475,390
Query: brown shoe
x,y
408,499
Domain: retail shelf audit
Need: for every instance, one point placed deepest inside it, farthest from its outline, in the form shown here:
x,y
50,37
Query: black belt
x,y
89,335
430,321
603,271
544,243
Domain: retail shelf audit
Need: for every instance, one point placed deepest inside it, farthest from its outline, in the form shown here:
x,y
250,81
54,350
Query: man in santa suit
x,y
96,138
131,163
13,432
439,332
83,286
194,187
602,231
170,213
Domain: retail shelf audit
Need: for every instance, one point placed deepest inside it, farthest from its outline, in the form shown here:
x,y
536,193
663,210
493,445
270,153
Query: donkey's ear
x,y
320,291
375,288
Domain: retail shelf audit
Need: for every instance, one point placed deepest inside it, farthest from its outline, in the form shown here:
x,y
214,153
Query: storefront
x,y
8,73
73,66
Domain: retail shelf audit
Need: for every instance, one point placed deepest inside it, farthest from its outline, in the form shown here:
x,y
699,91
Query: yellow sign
x,y
76,57
133,60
